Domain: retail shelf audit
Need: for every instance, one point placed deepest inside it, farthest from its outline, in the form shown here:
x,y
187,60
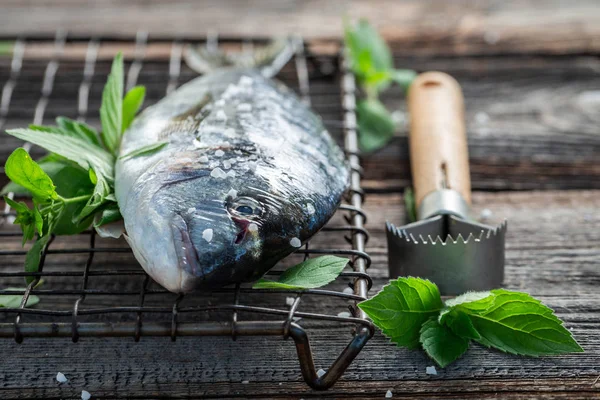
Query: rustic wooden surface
x,y
530,73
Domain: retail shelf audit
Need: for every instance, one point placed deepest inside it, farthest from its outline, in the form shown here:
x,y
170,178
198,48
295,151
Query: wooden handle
x,y
438,142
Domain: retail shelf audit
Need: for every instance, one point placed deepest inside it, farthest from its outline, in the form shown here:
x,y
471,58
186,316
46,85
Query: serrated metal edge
x,y
491,234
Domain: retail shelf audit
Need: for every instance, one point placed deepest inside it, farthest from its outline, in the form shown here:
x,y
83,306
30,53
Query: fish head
x,y
224,229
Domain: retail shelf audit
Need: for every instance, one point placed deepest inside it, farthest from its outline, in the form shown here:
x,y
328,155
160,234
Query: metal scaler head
x,y
444,245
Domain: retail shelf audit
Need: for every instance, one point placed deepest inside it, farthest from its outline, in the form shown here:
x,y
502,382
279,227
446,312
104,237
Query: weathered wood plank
x,y
552,252
425,27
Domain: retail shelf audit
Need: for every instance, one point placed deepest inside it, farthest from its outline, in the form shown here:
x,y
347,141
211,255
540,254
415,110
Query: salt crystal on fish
x,y
220,115
85,395
231,173
244,107
227,164
191,210
310,208
246,80
252,227
430,371
344,314
197,144
207,235
61,378
218,173
252,157
232,193
252,166
389,394
203,159
289,301
320,372
219,153
229,132
295,242
219,103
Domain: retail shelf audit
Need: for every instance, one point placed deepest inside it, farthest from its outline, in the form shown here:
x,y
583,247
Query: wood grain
x,y
552,253
412,26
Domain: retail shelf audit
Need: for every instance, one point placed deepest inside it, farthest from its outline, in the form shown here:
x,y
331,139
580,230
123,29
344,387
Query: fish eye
x,y
244,210
246,206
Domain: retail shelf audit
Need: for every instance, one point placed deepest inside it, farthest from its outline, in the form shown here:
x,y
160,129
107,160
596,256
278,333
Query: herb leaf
x,y
312,273
517,323
34,256
131,104
111,110
146,150
14,300
440,343
79,129
375,124
22,170
401,308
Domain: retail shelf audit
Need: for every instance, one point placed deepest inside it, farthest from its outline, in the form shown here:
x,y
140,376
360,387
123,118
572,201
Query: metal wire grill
x,y
93,287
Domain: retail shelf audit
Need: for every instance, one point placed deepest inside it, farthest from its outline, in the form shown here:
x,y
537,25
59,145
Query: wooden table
x,y
531,77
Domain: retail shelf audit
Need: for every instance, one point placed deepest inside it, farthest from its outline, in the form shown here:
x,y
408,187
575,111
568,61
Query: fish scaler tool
x,y
444,245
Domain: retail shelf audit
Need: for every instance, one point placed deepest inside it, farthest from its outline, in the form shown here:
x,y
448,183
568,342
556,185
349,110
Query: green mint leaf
x,y
25,218
375,124
267,284
131,105
38,220
98,200
440,343
110,214
79,129
146,150
363,39
516,323
14,300
410,205
34,256
22,170
459,323
403,77
312,273
111,110
83,153
401,308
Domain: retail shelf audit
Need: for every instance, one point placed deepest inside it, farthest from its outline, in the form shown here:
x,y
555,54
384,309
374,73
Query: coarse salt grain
x,y
231,173
61,378
227,164
207,234
320,372
246,80
197,143
295,242
191,210
220,115
431,371
389,394
244,107
252,166
203,159
232,193
219,153
252,227
85,395
218,173
310,208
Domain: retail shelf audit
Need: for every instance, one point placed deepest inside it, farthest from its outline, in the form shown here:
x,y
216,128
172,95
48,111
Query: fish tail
x,y
268,59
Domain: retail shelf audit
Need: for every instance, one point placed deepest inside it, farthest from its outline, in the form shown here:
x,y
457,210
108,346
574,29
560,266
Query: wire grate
x,y
94,287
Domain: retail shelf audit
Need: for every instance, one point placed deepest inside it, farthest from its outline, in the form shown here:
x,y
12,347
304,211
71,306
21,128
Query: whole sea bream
x,y
246,174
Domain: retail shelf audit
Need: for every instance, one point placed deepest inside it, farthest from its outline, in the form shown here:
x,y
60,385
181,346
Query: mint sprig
x,y
372,63
74,184
312,273
410,311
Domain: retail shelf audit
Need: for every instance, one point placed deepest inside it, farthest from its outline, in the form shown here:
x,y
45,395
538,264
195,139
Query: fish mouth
x,y
187,253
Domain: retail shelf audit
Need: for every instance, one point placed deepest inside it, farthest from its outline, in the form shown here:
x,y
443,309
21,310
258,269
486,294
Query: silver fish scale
x,y
231,131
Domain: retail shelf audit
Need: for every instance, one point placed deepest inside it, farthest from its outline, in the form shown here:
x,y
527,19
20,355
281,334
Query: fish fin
x,y
268,59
